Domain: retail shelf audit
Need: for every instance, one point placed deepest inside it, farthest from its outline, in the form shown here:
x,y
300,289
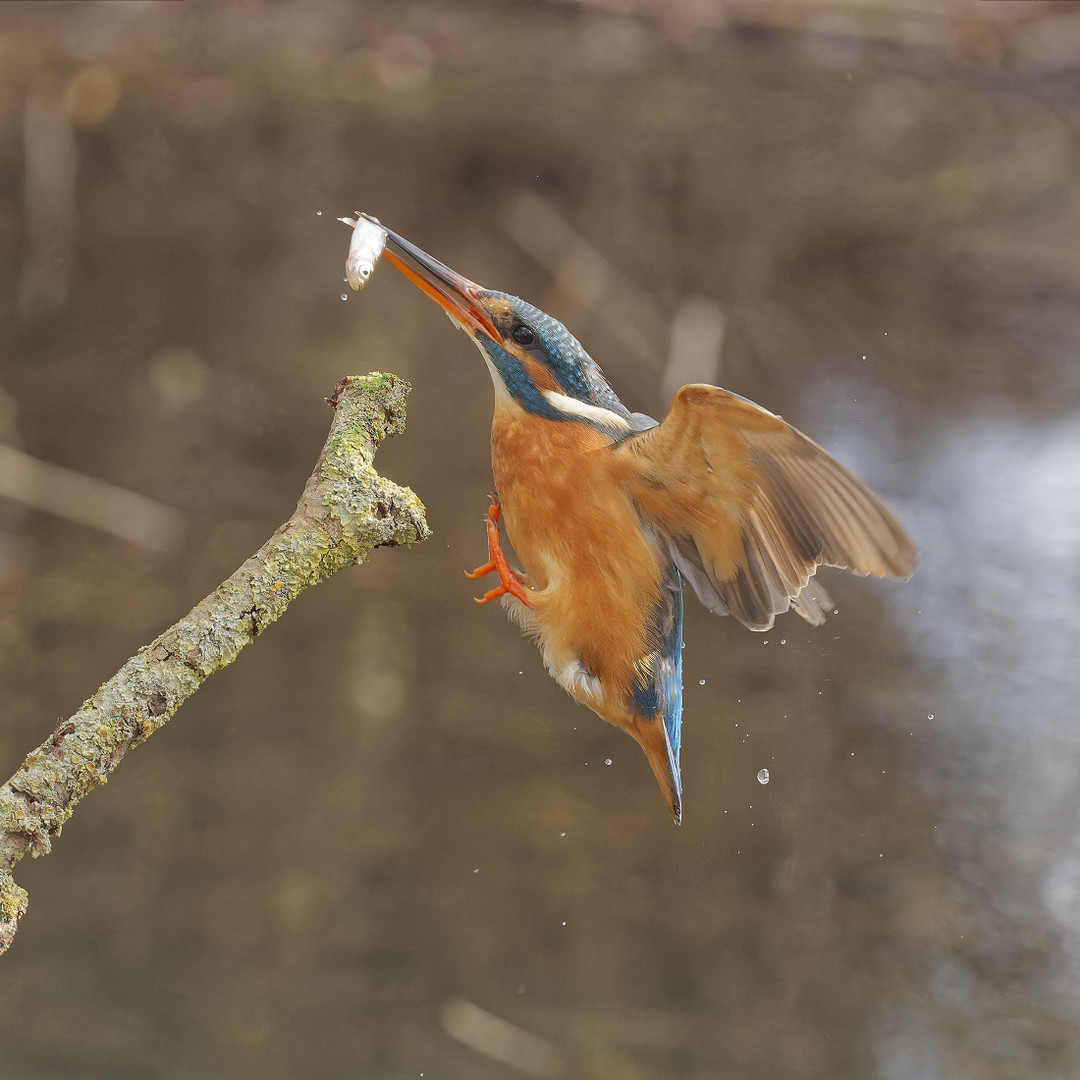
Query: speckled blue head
x,y
539,362
573,369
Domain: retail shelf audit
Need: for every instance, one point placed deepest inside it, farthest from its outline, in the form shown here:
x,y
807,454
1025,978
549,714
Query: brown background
x,y
385,816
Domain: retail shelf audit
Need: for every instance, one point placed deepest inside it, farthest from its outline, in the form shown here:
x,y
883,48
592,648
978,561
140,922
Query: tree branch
x,y
346,510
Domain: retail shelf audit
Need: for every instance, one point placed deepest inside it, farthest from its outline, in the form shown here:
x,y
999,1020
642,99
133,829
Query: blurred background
x,y
384,844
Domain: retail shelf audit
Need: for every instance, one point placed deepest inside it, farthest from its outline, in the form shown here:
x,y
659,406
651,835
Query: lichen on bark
x,y
346,510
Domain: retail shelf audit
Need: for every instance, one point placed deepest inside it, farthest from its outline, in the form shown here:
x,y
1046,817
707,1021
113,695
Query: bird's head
x,y
533,359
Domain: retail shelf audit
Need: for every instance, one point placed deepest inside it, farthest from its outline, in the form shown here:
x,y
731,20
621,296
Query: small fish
x,y
368,241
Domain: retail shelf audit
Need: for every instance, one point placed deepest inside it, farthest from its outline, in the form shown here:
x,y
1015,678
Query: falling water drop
x,y
763,776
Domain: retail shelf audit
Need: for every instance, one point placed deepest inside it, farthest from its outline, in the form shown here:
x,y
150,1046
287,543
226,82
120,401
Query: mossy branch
x,y
346,510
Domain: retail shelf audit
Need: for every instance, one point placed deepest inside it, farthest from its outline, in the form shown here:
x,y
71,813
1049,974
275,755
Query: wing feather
x,y
750,508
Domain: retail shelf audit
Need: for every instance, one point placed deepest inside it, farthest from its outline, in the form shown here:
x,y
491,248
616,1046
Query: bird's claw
x,y
509,580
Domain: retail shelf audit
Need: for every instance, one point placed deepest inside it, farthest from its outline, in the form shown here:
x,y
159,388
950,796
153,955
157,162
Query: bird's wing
x,y
750,507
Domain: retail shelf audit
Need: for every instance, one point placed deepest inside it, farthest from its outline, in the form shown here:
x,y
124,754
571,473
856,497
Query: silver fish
x,y
365,247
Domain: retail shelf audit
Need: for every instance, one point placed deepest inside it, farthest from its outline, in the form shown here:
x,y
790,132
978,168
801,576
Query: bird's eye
x,y
523,335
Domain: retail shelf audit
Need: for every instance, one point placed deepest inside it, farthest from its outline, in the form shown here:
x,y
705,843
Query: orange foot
x,y
510,581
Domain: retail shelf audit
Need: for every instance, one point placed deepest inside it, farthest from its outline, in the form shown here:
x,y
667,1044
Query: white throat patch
x,y
582,410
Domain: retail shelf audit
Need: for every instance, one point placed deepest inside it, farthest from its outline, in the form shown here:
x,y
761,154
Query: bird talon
x,y
509,580
480,571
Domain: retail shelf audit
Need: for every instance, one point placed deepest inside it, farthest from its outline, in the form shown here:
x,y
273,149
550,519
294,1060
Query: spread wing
x,y
750,507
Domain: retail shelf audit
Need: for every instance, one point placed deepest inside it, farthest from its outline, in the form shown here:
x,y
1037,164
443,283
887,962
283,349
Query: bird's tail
x,y
651,735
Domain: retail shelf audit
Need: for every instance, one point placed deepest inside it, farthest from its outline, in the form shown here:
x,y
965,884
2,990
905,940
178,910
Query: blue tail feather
x,y
660,689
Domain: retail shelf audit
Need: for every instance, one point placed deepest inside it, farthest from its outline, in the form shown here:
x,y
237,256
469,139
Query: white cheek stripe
x,y
598,415
567,405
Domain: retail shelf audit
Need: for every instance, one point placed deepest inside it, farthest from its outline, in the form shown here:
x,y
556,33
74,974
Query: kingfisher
x,y
609,512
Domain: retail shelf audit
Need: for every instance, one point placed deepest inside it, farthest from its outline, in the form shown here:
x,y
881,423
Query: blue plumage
x,y
572,367
660,690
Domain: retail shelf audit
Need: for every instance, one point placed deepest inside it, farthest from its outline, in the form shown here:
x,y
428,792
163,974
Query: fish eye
x,y
523,335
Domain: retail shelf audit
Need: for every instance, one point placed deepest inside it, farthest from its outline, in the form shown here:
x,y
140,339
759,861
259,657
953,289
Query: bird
x,y
610,513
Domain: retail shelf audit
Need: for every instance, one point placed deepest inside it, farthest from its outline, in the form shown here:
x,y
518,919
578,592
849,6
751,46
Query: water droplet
x,y
929,716
318,213
763,776
344,296
562,834
477,870
607,761
701,682
783,641
564,922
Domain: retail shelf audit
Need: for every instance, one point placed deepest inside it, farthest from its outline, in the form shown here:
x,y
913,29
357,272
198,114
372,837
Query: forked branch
x,y
346,510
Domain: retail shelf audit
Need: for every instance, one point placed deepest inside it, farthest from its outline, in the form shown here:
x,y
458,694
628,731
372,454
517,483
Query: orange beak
x,y
456,295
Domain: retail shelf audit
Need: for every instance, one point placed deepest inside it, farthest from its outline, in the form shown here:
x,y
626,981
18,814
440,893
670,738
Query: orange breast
x,y
579,540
